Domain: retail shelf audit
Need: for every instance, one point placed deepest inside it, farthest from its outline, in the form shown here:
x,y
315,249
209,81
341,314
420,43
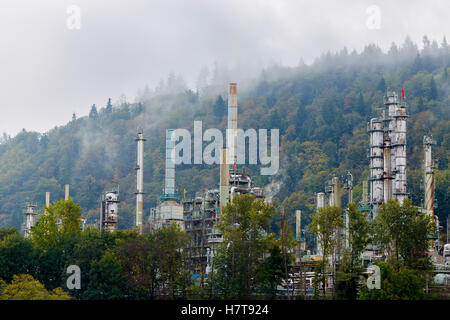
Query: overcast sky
x,y
49,71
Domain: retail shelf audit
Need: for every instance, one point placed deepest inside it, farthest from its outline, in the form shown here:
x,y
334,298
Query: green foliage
x,y
17,256
402,284
402,232
106,279
326,223
60,219
24,287
270,273
4,232
244,225
169,243
348,275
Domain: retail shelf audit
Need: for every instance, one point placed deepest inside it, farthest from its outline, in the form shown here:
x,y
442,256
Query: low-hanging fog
x,y
124,49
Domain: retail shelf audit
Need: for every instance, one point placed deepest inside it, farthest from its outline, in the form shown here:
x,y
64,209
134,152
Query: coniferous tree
x,y
93,114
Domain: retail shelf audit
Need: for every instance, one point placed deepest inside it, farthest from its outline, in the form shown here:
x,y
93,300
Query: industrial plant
x,y
199,216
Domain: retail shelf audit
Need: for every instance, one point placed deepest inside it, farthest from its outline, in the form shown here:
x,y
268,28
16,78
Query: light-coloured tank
x,y
109,211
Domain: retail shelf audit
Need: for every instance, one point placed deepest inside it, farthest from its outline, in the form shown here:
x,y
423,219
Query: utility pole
x,y
448,228
283,248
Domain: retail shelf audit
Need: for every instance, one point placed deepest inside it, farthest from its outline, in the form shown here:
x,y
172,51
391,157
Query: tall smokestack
x,y
428,175
66,196
139,179
232,123
169,186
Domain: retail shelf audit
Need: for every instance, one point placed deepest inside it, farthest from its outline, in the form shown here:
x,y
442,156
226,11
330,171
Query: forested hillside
x,y
321,110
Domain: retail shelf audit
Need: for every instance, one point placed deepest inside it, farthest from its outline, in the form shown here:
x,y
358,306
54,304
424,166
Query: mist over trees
x,y
321,110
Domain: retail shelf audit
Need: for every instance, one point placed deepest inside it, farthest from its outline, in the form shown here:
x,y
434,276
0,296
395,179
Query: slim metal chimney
x,y
139,179
66,196
224,187
428,175
47,198
232,123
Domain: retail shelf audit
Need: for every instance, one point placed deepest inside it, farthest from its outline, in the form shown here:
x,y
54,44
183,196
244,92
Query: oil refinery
x,y
199,216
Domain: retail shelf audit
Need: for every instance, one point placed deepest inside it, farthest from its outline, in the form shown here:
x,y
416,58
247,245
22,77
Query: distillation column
x,y
139,179
320,205
399,149
31,214
376,164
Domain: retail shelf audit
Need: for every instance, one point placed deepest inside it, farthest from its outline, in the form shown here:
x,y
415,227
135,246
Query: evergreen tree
x,y
108,108
220,107
381,86
432,93
93,114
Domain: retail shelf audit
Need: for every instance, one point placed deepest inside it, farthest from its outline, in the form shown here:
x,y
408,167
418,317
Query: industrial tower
x,y
139,179
109,211
387,154
170,208
31,215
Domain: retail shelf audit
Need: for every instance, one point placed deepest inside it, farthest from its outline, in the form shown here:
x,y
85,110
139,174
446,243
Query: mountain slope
x,y
321,111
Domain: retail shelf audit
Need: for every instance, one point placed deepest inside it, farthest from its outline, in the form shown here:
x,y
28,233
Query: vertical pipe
x,y
364,192
139,179
232,123
428,176
66,196
298,224
387,170
336,192
224,191
47,198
